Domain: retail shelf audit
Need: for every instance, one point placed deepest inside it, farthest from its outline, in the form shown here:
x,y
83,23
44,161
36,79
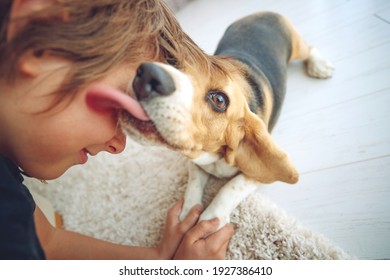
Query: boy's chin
x,y
48,173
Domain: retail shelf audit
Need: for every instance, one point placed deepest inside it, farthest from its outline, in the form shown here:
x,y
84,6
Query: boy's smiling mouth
x,y
84,156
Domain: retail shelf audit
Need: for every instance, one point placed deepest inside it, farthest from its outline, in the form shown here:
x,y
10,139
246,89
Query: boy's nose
x,y
117,144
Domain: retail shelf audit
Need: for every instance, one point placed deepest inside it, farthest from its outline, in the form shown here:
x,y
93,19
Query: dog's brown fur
x,y
240,135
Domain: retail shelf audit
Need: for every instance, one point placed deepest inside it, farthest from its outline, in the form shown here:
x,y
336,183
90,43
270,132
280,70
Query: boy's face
x,y
46,144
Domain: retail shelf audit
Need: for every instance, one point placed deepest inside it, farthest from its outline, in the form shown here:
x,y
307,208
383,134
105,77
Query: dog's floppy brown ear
x,y
251,148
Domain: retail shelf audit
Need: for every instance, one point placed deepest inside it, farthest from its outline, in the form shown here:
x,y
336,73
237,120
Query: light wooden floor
x,y
337,131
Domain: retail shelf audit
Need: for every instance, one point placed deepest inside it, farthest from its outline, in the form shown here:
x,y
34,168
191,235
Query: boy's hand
x,y
200,243
188,240
175,229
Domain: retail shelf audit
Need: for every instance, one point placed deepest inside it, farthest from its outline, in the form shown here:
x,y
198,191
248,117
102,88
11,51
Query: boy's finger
x,y
203,229
221,237
192,217
174,212
176,208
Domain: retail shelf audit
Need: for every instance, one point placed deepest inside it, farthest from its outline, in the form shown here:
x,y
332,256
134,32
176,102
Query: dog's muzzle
x,y
151,80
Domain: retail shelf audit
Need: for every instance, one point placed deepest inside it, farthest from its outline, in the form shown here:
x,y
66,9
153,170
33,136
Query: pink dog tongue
x,y
103,98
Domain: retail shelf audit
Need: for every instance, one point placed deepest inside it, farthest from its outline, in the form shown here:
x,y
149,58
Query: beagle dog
x,y
220,110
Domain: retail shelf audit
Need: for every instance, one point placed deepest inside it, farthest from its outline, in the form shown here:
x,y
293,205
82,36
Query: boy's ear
x,y
22,9
29,64
252,149
33,63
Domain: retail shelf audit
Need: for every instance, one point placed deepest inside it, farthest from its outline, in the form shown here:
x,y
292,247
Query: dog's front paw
x,y
317,66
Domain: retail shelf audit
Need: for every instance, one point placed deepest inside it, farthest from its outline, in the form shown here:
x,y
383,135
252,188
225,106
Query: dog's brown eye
x,y
218,100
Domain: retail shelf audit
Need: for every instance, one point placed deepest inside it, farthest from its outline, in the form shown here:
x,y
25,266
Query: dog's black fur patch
x,y
264,45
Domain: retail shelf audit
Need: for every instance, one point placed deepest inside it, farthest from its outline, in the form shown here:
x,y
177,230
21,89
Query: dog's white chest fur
x,y
229,196
215,165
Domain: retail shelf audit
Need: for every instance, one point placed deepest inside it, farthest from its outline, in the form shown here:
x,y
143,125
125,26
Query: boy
x,y
52,55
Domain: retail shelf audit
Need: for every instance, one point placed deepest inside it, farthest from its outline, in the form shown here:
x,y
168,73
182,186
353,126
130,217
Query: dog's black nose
x,y
152,79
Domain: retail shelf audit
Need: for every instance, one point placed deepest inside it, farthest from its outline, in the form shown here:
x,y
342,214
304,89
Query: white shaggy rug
x,y
125,198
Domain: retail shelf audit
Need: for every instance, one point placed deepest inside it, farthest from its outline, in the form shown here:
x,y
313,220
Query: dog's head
x,y
197,110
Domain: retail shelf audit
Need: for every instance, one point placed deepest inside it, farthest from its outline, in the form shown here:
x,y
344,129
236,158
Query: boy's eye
x,y
218,100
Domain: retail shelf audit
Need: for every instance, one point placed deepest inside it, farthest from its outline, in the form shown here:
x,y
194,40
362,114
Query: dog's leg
x,y
227,199
316,65
197,179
